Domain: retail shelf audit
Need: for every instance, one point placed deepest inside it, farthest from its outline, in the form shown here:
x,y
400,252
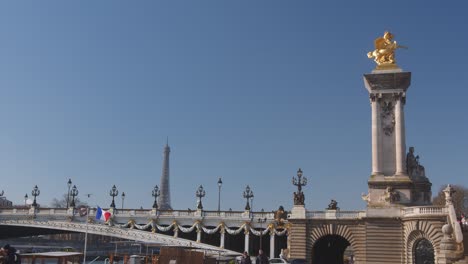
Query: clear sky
x,y
245,90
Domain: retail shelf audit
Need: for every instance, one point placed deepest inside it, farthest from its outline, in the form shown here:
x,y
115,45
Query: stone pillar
x,y
246,241
272,243
400,143
298,239
176,231
221,242
376,141
199,235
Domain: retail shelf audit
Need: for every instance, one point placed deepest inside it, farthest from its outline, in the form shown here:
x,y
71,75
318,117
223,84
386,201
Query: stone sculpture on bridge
x,y
413,167
333,205
390,195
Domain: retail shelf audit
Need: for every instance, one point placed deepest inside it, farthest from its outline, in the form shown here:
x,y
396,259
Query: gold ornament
x,y
384,53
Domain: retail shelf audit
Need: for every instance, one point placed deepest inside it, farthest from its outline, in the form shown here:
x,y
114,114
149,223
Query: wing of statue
x,y
379,43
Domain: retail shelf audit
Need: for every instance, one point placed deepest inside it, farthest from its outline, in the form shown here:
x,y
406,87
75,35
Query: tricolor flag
x,y
102,214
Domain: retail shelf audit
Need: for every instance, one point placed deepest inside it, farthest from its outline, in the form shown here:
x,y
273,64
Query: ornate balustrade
x,y
424,211
335,214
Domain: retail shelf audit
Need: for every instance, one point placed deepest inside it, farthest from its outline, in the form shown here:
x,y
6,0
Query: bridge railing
x,y
192,214
39,211
424,210
335,214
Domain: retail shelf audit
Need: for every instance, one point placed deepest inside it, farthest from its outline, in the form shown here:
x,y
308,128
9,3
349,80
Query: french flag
x,y
102,214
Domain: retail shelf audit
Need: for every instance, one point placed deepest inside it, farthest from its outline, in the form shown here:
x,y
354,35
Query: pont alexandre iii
x,y
400,224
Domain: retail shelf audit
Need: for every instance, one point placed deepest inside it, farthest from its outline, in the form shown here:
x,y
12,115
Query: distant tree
x,y
62,202
460,193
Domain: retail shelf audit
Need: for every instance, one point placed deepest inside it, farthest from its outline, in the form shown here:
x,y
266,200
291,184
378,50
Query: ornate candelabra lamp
x,y
73,194
248,193
35,192
113,192
299,182
200,193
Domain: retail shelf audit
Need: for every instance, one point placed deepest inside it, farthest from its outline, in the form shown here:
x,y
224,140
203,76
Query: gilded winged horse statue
x,y
384,53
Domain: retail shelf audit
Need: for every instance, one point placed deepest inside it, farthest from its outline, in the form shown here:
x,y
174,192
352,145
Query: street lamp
x,y
299,182
123,198
200,193
113,192
69,183
35,192
73,194
248,193
25,199
220,182
261,221
155,193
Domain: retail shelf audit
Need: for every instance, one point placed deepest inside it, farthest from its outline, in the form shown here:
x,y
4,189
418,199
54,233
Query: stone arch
x,y
321,231
415,231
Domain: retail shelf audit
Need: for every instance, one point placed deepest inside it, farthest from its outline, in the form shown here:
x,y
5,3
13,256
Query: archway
x,y
424,252
329,249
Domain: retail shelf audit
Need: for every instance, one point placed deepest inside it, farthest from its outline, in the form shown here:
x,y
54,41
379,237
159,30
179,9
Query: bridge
x,y
167,228
303,233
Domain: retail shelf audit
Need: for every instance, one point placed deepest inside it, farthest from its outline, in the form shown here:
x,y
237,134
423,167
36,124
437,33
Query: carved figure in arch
x,y
413,167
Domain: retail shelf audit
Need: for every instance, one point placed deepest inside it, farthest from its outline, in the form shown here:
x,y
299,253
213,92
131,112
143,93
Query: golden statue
x,y
384,53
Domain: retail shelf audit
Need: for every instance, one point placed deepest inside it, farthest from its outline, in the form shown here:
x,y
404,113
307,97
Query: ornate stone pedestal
x,y
298,212
390,185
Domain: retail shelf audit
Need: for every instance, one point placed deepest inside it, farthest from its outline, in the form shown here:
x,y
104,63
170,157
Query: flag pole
x,y
86,236
86,233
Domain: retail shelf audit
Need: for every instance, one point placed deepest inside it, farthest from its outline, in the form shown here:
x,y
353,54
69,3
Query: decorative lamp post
x,y
261,221
200,193
299,182
123,198
69,183
35,192
25,199
248,193
73,194
155,193
220,183
113,192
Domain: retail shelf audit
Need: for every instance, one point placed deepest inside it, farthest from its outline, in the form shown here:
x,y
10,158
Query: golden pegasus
x,y
384,53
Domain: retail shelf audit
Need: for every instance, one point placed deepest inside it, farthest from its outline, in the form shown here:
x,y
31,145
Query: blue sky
x,y
245,90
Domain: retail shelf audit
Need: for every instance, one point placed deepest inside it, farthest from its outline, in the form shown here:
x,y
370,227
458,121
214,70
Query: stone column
x,y
176,231
246,241
199,235
272,243
376,131
221,242
400,145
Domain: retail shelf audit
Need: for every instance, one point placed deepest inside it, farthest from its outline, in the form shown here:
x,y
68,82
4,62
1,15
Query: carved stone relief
x,y
387,117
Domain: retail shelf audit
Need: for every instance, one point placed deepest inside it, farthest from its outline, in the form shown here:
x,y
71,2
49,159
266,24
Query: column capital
x,y
400,97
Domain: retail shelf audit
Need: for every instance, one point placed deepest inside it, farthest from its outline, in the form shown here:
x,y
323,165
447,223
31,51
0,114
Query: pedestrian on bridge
x,y
261,258
246,258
